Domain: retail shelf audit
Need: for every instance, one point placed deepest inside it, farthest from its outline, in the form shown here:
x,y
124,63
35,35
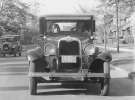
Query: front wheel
x,y
14,54
105,84
20,54
33,86
3,54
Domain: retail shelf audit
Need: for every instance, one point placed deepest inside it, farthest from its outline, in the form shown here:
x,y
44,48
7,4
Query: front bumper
x,y
5,51
68,75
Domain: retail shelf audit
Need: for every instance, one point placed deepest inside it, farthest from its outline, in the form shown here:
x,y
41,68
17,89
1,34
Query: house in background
x,y
132,25
126,30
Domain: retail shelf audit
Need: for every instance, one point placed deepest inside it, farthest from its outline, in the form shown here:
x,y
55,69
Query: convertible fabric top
x,y
68,17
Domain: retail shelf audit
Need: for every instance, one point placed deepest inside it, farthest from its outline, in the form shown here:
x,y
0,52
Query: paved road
x,y
14,85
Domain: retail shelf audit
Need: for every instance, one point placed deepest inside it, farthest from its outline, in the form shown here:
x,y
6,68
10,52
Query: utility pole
x,y
1,4
117,23
35,12
105,37
105,33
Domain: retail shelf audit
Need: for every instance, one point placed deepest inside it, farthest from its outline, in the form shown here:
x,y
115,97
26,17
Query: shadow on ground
x,y
122,87
69,89
118,87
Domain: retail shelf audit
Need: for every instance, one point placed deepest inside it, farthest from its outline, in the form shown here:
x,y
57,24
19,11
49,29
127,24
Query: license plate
x,y
68,59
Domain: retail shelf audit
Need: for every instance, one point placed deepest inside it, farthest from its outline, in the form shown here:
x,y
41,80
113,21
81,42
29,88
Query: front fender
x,y
35,54
37,60
39,65
101,64
105,56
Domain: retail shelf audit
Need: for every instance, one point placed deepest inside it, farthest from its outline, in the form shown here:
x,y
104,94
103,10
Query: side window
x,y
86,27
83,26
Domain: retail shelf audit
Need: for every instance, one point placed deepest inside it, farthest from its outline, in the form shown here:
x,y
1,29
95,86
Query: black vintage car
x,y
10,44
67,50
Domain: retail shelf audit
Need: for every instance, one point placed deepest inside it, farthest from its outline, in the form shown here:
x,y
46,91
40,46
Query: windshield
x,y
68,26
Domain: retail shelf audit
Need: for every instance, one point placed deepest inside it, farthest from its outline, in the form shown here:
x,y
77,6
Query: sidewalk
x,y
124,60
122,47
125,51
122,55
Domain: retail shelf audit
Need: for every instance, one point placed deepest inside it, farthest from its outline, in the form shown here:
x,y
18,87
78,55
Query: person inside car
x,y
55,28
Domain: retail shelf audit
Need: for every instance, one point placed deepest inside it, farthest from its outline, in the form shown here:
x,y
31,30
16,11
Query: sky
x,y
42,7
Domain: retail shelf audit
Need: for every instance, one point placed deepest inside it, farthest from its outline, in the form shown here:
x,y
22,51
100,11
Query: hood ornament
x,y
69,38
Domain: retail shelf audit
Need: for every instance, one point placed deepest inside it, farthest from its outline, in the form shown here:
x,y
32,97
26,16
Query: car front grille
x,y
69,48
69,59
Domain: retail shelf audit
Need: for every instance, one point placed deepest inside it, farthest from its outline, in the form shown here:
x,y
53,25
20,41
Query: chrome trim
x,y
69,38
76,75
76,39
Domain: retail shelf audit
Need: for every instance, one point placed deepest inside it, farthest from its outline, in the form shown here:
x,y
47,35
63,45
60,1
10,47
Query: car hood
x,y
82,38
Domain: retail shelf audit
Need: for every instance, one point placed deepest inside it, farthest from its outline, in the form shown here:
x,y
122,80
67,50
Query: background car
x,y
10,44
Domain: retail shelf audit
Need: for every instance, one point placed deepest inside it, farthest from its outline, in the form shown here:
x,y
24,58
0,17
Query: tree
x,y
123,10
13,15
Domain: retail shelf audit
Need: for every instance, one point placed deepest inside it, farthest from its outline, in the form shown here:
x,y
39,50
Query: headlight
x,y
50,49
29,58
90,49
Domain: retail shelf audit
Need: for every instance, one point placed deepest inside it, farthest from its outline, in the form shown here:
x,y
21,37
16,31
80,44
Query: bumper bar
x,y
76,75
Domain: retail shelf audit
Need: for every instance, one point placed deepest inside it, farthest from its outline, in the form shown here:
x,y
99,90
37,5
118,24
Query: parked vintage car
x,y
10,44
67,50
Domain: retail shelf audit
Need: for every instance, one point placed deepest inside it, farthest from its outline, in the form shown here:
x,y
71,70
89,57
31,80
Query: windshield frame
x,y
67,21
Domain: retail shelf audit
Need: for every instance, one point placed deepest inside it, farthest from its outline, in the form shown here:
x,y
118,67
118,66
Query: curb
x,y
131,75
124,59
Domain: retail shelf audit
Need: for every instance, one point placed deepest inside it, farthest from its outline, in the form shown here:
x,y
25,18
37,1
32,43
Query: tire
x,y
3,54
14,54
33,86
105,85
20,54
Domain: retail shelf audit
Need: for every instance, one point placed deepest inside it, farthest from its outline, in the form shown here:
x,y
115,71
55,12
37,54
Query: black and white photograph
x,y
67,49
